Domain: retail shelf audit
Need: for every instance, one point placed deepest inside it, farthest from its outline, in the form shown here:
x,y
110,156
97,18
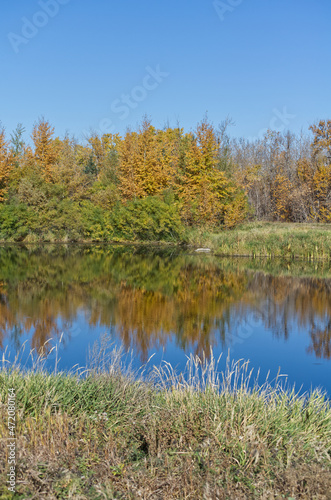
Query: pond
x,y
170,303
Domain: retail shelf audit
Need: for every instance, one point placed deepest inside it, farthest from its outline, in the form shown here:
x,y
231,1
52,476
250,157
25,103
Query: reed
x,y
309,242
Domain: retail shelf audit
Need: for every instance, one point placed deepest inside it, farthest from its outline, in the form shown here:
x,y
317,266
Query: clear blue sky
x,y
90,64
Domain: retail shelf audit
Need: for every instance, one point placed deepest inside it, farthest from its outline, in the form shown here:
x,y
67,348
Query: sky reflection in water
x,y
170,303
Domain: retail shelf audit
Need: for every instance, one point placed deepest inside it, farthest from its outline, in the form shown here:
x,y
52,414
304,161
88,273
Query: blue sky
x,y
86,64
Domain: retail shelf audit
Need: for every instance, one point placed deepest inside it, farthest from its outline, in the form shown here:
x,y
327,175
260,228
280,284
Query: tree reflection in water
x,y
153,296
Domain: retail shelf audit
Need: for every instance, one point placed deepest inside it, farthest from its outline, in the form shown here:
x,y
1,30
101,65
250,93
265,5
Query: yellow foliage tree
x,y
322,137
6,164
321,180
322,191
281,192
46,150
205,189
130,186
146,168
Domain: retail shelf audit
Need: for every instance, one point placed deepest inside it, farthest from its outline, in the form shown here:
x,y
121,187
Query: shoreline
x,y
269,240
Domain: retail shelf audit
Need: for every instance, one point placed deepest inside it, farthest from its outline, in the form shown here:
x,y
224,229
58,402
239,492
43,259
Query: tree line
x,y
153,184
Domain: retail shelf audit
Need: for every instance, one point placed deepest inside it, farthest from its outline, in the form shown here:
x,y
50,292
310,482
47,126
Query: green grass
x,y
269,239
105,432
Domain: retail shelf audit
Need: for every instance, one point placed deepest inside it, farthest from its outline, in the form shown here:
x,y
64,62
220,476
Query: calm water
x,y
170,303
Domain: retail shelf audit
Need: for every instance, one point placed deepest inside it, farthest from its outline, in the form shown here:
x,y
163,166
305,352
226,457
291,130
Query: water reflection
x,y
152,297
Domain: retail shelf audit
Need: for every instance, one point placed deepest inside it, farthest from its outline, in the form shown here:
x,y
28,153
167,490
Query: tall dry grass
x,y
268,239
105,431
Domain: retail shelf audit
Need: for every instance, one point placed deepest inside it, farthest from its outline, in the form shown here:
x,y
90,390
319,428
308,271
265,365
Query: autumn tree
x,y
205,190
46,150
321,181
130,185
281,192
273,172
322,138
146,162
6,163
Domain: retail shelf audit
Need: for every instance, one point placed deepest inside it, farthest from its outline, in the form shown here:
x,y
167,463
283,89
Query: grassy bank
x,y
105,433
290,241
269,239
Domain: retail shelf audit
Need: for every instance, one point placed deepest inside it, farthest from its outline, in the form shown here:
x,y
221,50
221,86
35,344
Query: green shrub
x,y
96,224
16,221
147,219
